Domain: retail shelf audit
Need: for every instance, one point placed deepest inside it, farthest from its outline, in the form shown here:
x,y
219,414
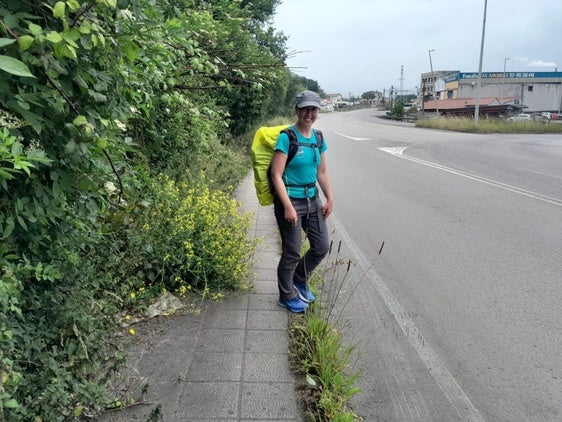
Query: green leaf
x,y
85,28
36,121
101,39
73,5
5,174
21,221
24,165
110,3
98,97
11,404
24,105
54,37
131,51
86,42
35,29
25,41
101,143
78,411
70,147
15,67
80,121
10,225
71,35
17,149
6,41
310,380
79,80
62,49
59,10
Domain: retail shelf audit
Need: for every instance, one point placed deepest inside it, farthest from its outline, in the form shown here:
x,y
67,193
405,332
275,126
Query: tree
x,y
369,95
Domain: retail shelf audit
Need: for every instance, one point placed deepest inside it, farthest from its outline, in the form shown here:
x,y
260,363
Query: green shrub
x,y
116,92
192,237
183,140
398,109
54,344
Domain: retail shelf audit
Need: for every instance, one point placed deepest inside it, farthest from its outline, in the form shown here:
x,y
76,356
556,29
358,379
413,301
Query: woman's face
x,y
307,115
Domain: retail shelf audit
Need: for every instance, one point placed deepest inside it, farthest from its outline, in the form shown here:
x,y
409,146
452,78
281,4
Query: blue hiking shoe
x,y
304,293
294,305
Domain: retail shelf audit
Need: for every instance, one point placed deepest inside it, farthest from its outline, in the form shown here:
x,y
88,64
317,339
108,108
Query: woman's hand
x,y
327,208
291,215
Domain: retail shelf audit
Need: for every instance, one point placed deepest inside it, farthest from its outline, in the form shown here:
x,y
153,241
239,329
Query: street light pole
x,y
477,107
503,80
433,82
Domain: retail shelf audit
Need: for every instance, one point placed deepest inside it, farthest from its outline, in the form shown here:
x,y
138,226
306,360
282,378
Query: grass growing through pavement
x,y
319,355
317,349
489,125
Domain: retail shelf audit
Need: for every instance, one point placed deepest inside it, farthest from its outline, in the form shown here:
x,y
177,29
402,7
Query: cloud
x,y
535,63
362,46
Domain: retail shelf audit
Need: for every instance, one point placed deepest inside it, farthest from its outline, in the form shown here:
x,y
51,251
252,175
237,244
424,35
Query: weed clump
x,y
318,351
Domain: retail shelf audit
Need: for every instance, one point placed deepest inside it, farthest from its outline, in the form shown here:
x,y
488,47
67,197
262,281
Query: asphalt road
x,y
460,316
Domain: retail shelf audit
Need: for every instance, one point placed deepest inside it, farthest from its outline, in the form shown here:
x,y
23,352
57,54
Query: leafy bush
x,y
398,110
191,237
104,93
182,140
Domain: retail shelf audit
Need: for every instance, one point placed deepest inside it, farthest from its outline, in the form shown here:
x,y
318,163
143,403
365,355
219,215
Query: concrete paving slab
x,y
230,363
277,400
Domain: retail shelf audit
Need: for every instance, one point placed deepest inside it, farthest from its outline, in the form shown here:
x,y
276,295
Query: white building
x,y
534,91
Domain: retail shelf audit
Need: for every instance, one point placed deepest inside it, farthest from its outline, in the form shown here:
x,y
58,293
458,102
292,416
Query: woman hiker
x,y
298,206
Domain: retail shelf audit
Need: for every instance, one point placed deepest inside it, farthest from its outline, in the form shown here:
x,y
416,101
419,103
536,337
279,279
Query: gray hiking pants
x,y
292,267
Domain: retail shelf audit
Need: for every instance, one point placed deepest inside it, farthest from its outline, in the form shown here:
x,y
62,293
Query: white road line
x,y
399,152
352,138
446,382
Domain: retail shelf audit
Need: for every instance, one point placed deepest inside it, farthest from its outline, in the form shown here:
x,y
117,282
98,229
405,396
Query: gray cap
x,y
308,99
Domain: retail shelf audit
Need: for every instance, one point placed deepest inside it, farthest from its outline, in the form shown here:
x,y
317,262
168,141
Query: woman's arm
x,y
278,163
326,185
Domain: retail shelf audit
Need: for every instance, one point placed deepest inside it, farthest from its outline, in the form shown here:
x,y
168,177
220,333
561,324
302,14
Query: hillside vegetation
x,y
122,135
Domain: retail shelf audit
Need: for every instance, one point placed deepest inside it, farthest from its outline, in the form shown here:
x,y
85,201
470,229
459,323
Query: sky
x,y
354,46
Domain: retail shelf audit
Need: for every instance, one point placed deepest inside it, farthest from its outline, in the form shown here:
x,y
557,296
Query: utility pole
x,y
477,107
503,80
433,77
423,99
402,82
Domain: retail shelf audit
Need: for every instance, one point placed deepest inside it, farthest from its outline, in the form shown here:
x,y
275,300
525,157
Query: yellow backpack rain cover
x,y
262,152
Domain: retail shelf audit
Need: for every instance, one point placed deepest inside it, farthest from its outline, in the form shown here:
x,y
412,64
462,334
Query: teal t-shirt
x,y
302,169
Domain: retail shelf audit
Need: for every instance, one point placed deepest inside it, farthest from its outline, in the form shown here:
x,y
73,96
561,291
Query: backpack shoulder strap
x,y
319,138
293,143
291,134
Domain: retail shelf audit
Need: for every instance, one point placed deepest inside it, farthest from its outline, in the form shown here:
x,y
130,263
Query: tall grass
x,y
317,346
463,124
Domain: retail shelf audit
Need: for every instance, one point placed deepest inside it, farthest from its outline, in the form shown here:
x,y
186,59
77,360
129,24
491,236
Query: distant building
x,y
432,83
334,98
504,93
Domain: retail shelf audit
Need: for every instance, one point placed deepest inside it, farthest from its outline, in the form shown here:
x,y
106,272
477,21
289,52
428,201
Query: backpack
x,y
262,152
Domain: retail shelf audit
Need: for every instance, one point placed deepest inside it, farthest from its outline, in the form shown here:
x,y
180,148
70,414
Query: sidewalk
x,y
230,363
